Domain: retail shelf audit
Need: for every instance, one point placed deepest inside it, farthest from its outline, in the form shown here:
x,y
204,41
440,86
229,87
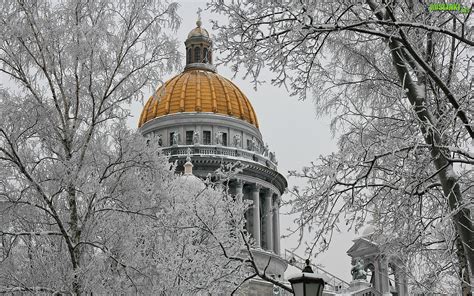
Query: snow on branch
x,y
36,233
4,290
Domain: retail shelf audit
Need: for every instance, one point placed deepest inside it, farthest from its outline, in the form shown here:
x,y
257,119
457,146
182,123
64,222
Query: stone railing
x,y
218,150
334,283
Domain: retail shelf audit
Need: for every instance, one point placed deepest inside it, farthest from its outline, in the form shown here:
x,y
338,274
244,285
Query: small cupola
x,y
199,48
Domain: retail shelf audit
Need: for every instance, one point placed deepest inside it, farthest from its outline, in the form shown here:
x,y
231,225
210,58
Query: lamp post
x,y
308,283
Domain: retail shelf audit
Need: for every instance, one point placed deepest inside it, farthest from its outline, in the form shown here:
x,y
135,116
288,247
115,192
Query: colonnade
x,y
263,216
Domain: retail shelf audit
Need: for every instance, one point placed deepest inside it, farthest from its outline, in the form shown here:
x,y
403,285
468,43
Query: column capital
x,y
237,183
268,192
256,187
277,200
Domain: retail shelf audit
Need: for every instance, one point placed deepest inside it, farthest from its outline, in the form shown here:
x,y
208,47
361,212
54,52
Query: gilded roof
x,y
197,90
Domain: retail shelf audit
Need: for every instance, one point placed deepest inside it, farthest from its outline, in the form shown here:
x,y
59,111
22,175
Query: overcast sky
x,y
289,126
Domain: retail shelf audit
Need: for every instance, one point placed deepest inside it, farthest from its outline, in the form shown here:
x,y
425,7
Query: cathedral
x,y
199,114
203,121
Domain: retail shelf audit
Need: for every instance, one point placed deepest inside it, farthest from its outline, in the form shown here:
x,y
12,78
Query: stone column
x,y
401,278
268,216
249,211
276,225
238,190
256,215
378,281
405,285
231,188
398,282
384,280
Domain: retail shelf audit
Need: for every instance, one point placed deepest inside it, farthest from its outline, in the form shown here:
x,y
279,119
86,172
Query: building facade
x,y
385,275
199,113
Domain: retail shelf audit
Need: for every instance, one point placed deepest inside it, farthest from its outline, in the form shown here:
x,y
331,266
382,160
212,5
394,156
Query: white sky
x,y
288,125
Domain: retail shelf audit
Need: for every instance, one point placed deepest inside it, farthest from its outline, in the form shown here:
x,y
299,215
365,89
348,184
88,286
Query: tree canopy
x,y
87,205
396,78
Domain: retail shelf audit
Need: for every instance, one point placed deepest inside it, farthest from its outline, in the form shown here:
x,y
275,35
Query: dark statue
x,y
358,272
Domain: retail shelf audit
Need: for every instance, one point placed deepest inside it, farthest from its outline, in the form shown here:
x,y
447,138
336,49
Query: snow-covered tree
x,y
86,205
396,77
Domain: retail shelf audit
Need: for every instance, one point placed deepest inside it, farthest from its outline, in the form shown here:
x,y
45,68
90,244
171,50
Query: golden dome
x,y
198,90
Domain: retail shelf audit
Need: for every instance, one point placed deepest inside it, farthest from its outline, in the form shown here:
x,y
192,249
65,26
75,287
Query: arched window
x,y
188,56
197,54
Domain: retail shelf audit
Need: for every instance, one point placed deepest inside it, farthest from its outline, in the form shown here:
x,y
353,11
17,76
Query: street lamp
x,y
308,283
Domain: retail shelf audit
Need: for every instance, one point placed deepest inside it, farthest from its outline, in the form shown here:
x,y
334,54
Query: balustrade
x,y
220,150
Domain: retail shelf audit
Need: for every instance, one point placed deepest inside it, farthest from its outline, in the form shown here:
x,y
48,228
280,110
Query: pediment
x,y
363,247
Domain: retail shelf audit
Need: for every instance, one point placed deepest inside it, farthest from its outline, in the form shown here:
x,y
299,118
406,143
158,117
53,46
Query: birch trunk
x,y
446,175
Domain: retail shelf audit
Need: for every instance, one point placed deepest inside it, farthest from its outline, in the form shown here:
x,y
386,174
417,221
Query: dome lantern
x,y
199,48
